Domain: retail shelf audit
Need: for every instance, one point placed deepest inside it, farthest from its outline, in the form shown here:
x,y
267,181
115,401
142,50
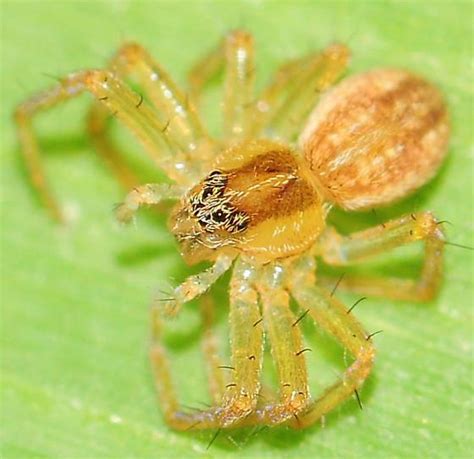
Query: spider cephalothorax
x,y
262,200
260,207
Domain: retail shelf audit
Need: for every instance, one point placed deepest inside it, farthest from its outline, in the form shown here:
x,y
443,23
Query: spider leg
x,y
246,338
97,122
168,400
175,417
332,316
345,250
240,397
216,376
284,105
150,194
287,350
236,54
174,110
119,100
204,70
194,286
239,86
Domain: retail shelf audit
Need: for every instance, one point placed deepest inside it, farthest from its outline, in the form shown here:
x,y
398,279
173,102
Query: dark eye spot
x,y
204,221
196,207
207,192
218,216
241,226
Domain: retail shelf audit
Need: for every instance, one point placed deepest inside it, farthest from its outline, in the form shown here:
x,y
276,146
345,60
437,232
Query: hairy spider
x,y
257,200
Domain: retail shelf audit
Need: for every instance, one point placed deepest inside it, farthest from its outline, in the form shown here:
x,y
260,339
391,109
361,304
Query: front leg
x,y
181,126
121,101
246,339
346,250
287,350
246,335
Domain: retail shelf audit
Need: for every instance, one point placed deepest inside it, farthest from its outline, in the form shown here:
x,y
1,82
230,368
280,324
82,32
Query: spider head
x,y
259,199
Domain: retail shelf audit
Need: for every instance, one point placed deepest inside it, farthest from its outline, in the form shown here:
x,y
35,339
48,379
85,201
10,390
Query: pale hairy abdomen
x,y
375,138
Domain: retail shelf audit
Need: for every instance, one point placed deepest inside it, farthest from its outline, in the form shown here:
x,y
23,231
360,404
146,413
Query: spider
x,y
256,201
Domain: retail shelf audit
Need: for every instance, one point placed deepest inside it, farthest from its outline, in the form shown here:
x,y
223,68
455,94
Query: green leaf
x,y
75,375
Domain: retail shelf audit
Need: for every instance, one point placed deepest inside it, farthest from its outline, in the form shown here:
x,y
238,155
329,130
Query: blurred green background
x,y
75,380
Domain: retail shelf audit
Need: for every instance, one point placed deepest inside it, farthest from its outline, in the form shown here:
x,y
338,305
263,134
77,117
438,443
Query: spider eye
x,y
219,216
208,191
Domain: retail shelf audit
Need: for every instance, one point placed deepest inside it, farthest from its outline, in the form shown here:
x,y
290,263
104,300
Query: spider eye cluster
x,y
213,208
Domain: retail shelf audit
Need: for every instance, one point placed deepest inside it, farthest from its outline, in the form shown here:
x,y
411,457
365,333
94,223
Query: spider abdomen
x,y
376,137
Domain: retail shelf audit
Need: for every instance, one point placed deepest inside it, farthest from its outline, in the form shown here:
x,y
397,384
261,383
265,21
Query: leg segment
x,y
180,123
176,418
344,250
162,375
240,397
70,87
120,101
150,194
210,350
246,337
204,70
287,350
239,86
236,53
194,286
332,316
284,105
96,126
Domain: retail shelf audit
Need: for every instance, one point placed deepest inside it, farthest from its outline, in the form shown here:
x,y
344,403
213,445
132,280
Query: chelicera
x,y
256,201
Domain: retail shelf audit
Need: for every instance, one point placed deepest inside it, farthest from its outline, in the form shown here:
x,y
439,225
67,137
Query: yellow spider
x,y
257,199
